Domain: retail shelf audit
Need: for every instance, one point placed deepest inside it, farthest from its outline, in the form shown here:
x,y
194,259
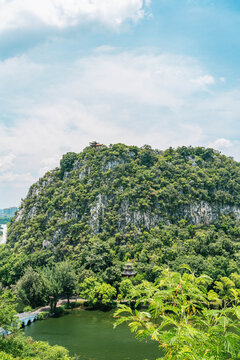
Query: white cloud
x,y
227,147
6,162
15,14
106,76
19,73
18,179
13,186
110,96
46,133
221,144
204,80
154,79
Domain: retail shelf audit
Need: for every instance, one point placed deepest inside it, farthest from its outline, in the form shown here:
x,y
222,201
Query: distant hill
x,y
7,214
108,204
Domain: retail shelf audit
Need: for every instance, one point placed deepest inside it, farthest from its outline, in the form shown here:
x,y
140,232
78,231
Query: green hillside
x,y
108,204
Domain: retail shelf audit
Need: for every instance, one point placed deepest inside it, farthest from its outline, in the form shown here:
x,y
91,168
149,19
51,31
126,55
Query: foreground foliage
x,y
185,319
8,310
18,347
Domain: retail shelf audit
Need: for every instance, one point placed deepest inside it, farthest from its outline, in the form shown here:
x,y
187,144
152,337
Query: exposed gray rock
x,y
20,214
71,214
82,174
46,244
96,211
32,212
204,212
77,165
57,236
112,164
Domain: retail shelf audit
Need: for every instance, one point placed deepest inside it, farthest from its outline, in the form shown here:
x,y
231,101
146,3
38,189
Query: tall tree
x,y
53,285
30,289
65,274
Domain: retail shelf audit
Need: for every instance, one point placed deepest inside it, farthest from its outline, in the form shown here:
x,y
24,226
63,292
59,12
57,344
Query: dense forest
x,y
108,204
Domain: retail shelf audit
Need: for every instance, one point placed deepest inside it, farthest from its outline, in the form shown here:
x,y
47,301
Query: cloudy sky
x,y
158,72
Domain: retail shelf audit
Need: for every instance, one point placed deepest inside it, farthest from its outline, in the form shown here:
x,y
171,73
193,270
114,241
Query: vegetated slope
x,y
107,204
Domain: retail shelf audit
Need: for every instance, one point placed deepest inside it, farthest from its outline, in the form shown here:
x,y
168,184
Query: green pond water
x,y
90,335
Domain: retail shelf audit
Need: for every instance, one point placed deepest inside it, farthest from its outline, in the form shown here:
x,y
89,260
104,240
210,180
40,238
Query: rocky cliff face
x,y
125,190
206,213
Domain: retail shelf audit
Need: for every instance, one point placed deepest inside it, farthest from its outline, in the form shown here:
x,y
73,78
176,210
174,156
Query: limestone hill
x,y
110,203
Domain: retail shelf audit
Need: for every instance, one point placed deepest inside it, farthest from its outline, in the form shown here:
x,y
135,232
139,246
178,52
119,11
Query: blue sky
x,y
161,72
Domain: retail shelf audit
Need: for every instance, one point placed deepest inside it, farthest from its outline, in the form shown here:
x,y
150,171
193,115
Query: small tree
x,y
147,156
86,288
125,288
103,294
67,161
97,294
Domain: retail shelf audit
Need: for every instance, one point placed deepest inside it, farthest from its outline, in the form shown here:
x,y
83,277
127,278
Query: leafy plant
x,y
181,319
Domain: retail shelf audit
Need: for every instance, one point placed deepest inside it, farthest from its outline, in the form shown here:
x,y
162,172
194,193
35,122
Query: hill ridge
x,y
119,196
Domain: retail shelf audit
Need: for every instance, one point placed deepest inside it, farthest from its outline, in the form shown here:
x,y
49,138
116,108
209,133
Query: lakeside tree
x,y
53,286
31,289
103,295
125,289
98,294
65,274
42,286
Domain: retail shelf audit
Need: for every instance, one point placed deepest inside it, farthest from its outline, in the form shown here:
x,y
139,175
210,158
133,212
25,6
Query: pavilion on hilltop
x,y
95,144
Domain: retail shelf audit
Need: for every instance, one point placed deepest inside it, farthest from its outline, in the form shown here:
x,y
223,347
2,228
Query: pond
x,y
90,335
